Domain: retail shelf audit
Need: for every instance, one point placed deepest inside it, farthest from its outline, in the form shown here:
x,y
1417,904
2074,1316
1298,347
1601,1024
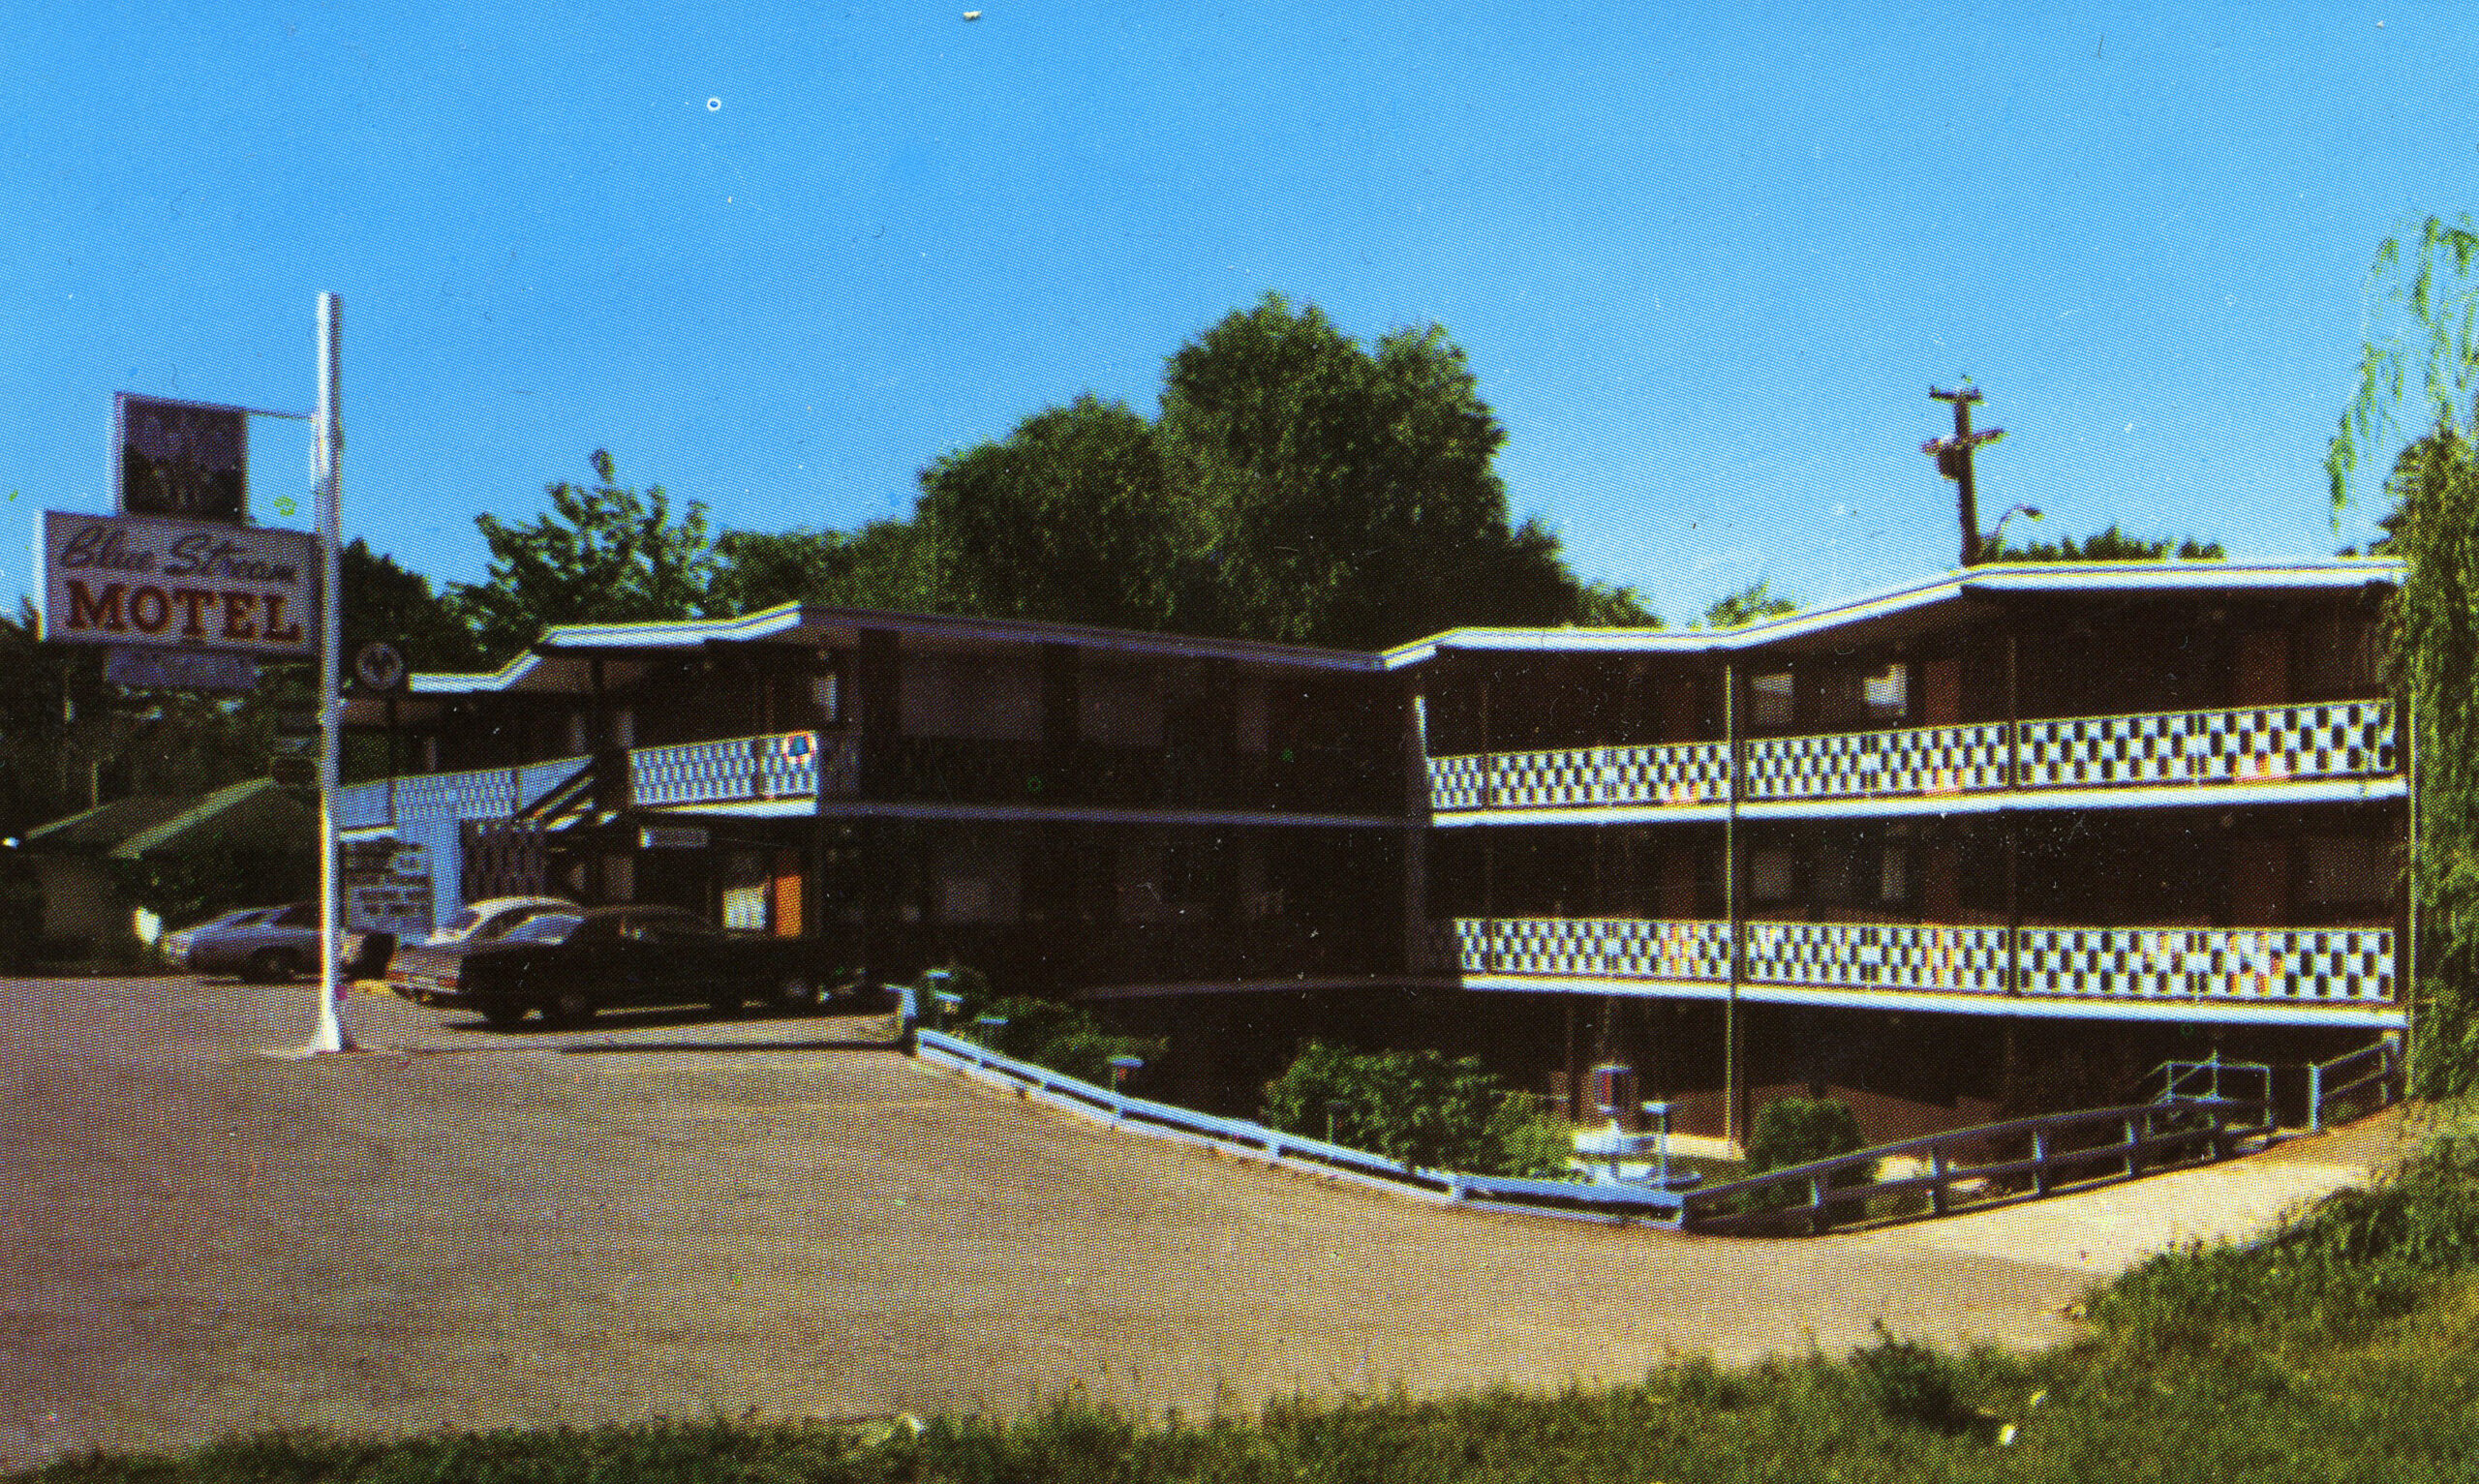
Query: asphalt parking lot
x,y
676,1213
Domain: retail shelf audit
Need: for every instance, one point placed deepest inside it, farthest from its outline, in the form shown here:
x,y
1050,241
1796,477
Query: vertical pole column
x,y
1735,1093
329,1036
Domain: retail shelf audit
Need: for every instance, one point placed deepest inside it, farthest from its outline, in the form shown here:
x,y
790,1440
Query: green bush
x,y
1796,1131
1415,1108
1063,1038
1907,1381
2357,1256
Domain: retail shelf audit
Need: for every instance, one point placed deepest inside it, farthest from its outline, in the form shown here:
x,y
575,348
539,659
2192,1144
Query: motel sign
x,y
145,581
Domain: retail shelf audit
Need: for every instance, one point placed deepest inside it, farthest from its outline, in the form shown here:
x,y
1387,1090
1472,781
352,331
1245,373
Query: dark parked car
x,y
569,964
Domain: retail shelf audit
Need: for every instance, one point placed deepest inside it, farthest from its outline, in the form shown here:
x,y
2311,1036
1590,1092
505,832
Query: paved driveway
x,y
671,1213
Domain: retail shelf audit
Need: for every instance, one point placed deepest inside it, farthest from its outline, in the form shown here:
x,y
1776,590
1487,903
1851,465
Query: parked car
x,y
569,964
257,943
488,919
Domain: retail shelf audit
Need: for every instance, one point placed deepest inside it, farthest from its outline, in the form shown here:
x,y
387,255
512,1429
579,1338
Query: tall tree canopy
x,y
1296,486
2421,348
1073,517
2434,529
604,554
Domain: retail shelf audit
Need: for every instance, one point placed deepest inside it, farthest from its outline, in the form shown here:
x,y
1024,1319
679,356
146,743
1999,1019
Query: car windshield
x,y
548,927
461,923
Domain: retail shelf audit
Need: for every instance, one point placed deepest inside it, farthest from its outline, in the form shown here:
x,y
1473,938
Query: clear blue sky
x,y
1706,260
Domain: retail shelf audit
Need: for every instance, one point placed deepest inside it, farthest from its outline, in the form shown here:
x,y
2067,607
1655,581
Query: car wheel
x,y
795,993
569,1007
271,966
724,1002
505,1017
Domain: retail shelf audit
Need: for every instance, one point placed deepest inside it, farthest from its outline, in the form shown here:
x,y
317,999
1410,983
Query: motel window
x,y
2345,870
2337,655
1770,874
1120,706
1886,695
987,699
746,881
1771,701
1893,875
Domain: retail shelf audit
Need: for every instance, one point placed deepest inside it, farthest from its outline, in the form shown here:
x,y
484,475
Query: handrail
x,y
2043,1165
2247,965
2300,741
2387,1078
1299,1151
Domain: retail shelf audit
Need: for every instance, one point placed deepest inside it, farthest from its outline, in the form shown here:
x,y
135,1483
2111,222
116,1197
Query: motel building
x,y
2009,837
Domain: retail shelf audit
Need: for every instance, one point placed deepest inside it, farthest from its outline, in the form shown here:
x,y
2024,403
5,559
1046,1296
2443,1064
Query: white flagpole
x,y
330,1035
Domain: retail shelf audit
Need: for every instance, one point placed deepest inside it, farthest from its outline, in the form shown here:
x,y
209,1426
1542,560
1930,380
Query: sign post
x,y
329,443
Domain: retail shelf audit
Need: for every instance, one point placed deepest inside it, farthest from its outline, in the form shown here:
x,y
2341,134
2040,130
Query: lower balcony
x,y
1989,969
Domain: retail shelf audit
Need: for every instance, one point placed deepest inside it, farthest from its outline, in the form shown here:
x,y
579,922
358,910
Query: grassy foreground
x,y
2343,1348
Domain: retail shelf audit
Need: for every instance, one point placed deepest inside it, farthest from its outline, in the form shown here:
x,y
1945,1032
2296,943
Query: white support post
x,y
330,1034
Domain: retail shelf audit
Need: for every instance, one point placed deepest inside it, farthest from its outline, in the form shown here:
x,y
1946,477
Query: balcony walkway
x,y
2319,976
2323,752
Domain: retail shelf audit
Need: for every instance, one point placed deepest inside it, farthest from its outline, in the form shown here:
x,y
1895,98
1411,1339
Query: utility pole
x,y
1953,458
328,458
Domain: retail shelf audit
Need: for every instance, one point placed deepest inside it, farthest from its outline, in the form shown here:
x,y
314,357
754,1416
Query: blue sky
x,y
1706,261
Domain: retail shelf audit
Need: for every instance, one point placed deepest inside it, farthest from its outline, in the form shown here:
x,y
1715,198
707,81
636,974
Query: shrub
x,y
1064,1038
2358,1256
1417,1108
1796,1131
1907,1381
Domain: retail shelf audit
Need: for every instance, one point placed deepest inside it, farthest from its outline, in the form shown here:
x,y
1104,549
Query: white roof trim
x,y
1996,579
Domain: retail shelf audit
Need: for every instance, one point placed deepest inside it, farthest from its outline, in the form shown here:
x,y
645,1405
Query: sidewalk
x,y
2104,1231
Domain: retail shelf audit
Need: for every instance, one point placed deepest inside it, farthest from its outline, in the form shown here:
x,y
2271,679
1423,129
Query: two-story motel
x,y
1908,843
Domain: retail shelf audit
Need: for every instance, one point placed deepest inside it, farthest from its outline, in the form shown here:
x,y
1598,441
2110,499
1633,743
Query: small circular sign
x,y
379,666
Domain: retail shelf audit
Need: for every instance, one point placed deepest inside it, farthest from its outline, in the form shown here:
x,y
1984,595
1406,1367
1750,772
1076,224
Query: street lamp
x,y
1997,532
1123,1066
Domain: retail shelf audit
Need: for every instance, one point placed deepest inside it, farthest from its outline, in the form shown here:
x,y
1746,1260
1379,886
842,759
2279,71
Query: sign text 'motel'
x,y
144,581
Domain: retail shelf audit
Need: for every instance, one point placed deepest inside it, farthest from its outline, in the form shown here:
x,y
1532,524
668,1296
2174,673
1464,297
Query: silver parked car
x,y
258,942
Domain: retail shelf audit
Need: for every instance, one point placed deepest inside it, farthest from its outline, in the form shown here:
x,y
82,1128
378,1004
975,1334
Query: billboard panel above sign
x,y
144,583
180,458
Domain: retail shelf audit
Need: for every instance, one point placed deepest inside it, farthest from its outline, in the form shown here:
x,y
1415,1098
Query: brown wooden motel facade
x,y
1064,808
2011,838
2006,837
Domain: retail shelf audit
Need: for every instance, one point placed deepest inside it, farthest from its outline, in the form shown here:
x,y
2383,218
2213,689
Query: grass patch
x,y
2344,1346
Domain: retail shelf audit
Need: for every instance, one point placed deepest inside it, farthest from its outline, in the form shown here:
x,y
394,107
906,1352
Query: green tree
x,y
890,564
2110,545
1352,494
605,553
1757,600
1072,518
383,600
2436,652
2422,344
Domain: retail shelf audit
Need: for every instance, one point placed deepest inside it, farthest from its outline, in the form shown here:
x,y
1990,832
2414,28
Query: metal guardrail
x,y
2155,1135
2145,1142
2388,1079
1297,1151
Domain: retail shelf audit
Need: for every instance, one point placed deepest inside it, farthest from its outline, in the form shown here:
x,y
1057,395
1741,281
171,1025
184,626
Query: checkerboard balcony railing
x,y
2214,965
478,794
2315,741
1873,765
1566,777
738,770
2245,746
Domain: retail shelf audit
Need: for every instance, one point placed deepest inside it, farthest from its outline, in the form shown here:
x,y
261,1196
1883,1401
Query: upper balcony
x,y
786,773
2336,749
